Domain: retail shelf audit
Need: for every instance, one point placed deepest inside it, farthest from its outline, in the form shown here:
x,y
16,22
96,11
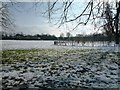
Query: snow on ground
x,y
62,68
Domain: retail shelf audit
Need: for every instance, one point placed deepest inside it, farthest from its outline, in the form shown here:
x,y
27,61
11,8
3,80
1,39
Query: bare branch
x,y
80,14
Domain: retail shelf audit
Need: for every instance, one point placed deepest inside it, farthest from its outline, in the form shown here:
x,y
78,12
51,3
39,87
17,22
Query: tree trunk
x,y
117,38
116,24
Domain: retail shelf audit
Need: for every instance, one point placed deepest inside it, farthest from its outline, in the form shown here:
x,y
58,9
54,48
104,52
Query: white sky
x,y
29,21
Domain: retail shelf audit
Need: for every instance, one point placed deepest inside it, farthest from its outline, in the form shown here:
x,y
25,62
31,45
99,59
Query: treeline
x,y
93,37
28,37
79,37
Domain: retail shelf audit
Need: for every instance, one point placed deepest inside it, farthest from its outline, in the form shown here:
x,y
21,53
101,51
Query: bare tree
x,y
109,24
112,22
104,12
62,35
68,34
6,20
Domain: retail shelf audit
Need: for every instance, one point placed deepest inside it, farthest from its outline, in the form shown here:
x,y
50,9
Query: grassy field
x,y
53,68
13,56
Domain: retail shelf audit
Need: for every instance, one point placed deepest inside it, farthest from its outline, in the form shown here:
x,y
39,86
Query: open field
x,y
59,68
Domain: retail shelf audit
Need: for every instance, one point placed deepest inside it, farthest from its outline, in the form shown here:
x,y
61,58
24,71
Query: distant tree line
x,y
92,37
28,37
68,37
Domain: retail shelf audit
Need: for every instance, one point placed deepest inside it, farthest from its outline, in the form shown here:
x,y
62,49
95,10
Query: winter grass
x,y
73,67
21,55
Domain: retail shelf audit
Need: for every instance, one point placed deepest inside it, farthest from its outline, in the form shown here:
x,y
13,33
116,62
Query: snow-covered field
x,y
60,68
31,44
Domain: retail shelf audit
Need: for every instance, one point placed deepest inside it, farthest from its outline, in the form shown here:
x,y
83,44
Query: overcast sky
x,y
29,20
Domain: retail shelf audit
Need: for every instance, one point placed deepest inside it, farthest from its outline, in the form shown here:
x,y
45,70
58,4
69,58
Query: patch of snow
x,y
28,75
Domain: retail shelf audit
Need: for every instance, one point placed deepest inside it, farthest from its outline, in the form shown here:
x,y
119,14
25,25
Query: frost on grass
x,y
60,68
